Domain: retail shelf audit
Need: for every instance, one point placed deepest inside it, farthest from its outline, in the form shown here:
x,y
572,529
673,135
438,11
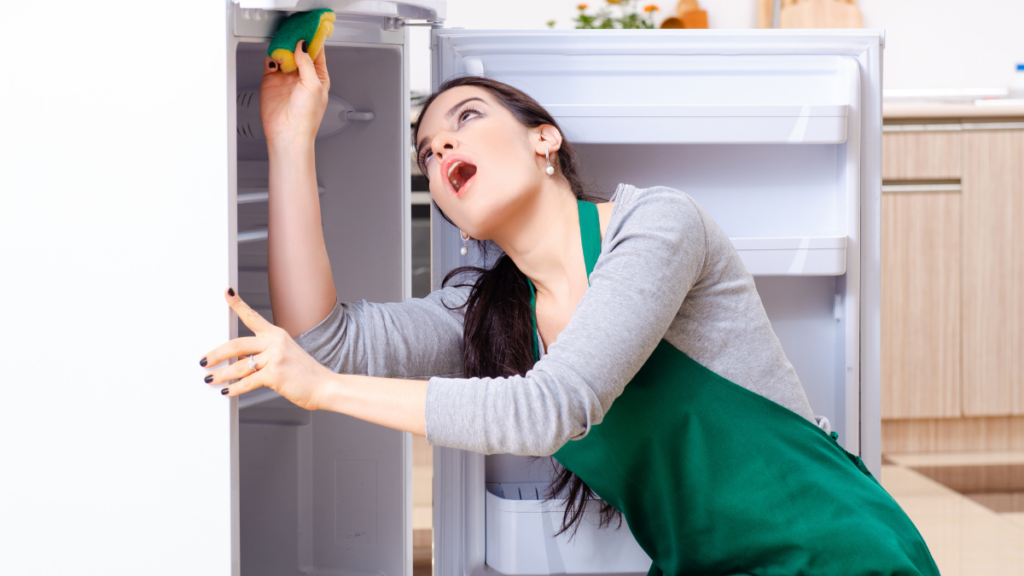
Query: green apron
x,y
715,479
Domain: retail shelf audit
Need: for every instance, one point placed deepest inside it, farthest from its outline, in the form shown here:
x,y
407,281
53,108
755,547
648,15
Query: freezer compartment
x,y
521,539
320,492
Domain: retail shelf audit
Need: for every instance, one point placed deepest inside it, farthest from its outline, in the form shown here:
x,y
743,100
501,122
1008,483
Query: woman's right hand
x,y
292,105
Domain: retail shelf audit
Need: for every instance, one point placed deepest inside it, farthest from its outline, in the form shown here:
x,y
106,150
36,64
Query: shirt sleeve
x,y
653,252
416,338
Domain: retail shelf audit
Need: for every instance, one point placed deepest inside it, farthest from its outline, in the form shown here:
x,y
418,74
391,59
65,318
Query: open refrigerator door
x,y
776,136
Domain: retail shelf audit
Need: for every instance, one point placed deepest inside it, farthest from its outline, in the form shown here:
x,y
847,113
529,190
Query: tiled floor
x,y
1015,517
965,537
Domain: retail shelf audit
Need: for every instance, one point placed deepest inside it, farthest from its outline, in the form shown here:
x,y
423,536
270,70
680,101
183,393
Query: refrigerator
x,y
134,184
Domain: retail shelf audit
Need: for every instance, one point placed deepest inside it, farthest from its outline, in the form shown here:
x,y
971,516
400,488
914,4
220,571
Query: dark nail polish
x,y
273,65
231,291
305,47
203,362
208,379
224,391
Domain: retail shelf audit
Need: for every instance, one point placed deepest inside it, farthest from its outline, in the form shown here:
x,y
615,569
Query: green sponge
x,y
315,27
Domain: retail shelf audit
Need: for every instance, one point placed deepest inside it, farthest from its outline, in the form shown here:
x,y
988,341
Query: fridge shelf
x,y
262,194
796,256
697,124
520,537
257,235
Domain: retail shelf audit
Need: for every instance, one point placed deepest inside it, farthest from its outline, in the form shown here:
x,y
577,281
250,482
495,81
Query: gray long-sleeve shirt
x,y
666,271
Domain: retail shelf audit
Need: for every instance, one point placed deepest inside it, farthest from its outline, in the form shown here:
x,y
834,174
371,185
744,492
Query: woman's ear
x,y
548,139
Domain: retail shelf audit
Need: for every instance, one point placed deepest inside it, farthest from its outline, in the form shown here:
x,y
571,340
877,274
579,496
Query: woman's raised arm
x,y
302,291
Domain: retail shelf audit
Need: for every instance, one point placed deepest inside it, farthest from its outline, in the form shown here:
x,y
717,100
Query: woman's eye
x,y
467,114
427,157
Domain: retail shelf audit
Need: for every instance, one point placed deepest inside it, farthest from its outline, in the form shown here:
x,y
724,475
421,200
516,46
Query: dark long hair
x,y
498,333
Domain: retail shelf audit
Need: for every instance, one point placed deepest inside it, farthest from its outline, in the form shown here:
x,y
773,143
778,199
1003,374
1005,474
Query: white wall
x,y
929,43
948,43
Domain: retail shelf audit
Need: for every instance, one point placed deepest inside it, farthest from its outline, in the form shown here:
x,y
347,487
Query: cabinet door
x,y
993,272
920,304
924,155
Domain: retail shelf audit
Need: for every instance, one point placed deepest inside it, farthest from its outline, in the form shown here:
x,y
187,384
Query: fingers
x,y
239,369
251,318
247,384
234,349
320,65
270,66
307,72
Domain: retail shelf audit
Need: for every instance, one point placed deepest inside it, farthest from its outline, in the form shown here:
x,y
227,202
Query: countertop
x,y
902,110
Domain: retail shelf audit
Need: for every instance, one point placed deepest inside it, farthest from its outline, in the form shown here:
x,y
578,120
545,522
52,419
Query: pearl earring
x,y
464,250
550,169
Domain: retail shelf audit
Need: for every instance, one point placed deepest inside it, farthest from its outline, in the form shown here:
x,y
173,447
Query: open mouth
x,y
459,174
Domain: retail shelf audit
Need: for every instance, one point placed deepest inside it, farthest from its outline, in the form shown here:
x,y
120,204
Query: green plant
x,y
616,14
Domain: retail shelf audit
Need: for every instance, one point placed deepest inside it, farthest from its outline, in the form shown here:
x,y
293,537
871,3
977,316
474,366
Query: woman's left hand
x,y
281,364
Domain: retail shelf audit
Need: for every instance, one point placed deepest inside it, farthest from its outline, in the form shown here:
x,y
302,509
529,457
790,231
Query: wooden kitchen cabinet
x,y
924,155
993,272
921,336
952,284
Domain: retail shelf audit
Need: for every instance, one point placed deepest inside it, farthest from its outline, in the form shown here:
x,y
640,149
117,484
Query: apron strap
x,y
590,234
533,321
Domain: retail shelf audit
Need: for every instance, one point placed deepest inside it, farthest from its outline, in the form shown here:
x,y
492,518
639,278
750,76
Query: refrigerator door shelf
x,y
807,256
728,124
515,525
615,86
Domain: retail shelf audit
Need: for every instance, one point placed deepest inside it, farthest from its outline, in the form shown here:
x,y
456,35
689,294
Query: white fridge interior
x,y
769,133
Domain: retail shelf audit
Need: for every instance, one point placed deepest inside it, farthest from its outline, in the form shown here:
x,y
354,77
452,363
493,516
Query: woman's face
x,y
482,163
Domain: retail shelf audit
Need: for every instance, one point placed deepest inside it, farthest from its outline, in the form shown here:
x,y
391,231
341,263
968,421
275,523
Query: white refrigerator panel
x,y
116,246
776,134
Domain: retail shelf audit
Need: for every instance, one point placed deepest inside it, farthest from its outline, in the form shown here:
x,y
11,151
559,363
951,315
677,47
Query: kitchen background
x,y
952,260
929,43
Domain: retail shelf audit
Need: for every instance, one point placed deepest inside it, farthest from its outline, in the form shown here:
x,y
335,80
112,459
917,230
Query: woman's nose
x,y
444,143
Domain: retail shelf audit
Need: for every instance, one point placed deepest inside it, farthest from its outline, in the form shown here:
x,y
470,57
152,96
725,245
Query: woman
x,y
711,452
